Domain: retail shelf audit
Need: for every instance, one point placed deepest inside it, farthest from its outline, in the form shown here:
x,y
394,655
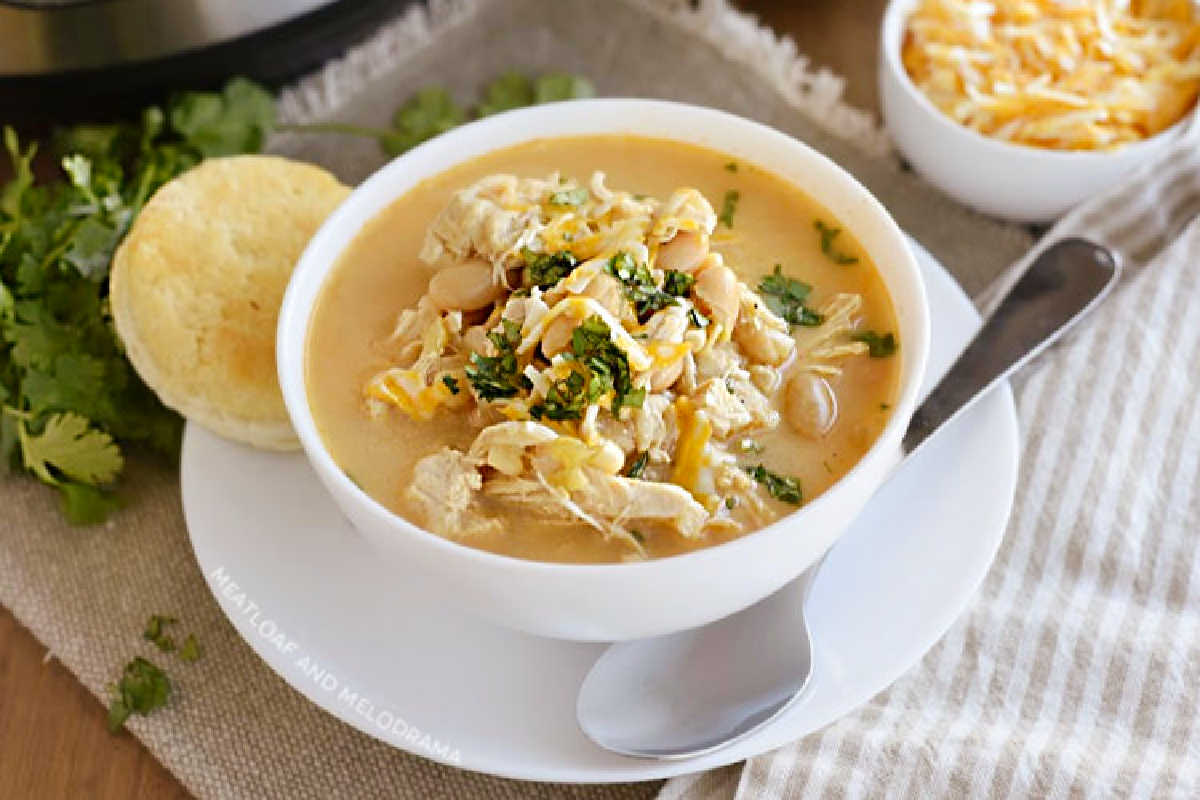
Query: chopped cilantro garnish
x,y
565,399
639,286
678,283
569,197
143,688
878,345
729,207
546,269
498,376
191,650
731,502
781,487
697,319
785,296
592,346
451,383
638,467
154,632
828,234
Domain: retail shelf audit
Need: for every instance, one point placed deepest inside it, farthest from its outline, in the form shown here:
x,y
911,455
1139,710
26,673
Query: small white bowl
x,y
1021,183
606,602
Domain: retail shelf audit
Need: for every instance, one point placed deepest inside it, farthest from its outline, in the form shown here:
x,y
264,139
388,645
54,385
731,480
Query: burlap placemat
x,y
233,728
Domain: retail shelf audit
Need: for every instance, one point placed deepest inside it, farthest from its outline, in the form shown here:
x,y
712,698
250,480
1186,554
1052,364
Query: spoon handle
x,y
1060,286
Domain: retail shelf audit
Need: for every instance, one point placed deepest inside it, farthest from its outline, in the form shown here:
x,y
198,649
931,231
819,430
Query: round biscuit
x,y
197,283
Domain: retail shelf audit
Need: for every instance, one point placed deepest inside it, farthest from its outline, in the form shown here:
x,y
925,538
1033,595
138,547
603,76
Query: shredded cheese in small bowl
x,y
1082,75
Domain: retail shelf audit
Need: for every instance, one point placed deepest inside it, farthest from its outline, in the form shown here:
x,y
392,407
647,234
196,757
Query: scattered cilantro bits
x,y
191,651
729,205
638,467
785,296
678,284
546,269
498,376
879,345
155,632
142,689
569,197
451,383
828,234
639,285
781,487
69,398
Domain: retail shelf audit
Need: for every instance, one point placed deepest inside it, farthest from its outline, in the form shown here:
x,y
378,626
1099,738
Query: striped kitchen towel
x,y
1076,672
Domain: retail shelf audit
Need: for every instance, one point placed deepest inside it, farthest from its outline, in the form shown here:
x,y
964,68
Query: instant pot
x,y
69,59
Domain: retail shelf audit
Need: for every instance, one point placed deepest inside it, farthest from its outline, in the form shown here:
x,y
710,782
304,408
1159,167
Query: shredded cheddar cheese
x,y
1057,74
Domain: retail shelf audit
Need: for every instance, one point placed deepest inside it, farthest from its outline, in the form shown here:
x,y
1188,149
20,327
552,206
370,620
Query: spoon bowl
x,y
689,693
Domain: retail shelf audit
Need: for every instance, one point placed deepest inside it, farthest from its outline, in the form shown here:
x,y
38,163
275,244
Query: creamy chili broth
x,y
379,275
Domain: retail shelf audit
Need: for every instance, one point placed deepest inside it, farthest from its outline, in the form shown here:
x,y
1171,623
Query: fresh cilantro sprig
x,y
785,296
69,400
879,345
433,110
781,487
828,234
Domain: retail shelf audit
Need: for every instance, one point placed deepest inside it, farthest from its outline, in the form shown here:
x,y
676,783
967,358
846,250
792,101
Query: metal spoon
x,y
690,693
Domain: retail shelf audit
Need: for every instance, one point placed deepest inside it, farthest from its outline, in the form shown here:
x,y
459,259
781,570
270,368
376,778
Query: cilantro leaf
x,y
640,288
678,284
638,467
785,296
13,193
429,112
878,345
237,120
142,689
451,383
546,269
569,197
510,90
781,487
828,234
562,86
191,649
155,632
498,376
565,399
729,207
592,346
68,446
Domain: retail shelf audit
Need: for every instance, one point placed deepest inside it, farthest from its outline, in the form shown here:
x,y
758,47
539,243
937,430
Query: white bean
x,y
464,287
716,292
811,405
684,252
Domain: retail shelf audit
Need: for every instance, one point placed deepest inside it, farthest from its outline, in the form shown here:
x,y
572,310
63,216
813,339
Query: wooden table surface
x,y
53,739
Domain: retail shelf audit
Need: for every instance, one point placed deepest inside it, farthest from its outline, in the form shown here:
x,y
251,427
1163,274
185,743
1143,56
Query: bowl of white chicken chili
x,y
604,369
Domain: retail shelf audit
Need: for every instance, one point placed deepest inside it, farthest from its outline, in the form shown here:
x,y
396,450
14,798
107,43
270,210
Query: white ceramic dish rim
x,y
895,18
373,195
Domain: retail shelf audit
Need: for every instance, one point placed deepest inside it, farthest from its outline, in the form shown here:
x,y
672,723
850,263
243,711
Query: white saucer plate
x,y
304,590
